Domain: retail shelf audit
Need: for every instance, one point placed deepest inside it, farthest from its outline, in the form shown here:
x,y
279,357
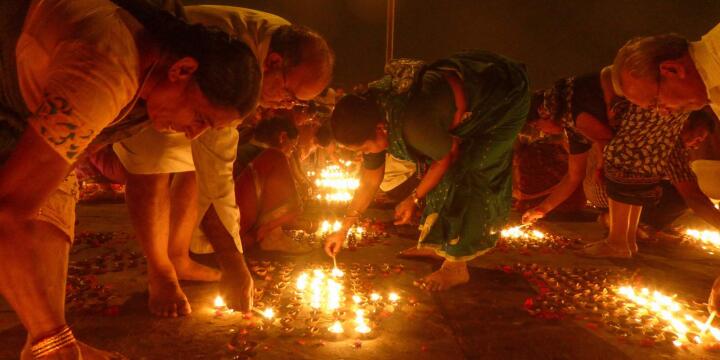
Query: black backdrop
x,y
555,38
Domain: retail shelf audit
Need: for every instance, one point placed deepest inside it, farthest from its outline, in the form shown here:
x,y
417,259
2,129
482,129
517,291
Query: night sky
x,y
554,38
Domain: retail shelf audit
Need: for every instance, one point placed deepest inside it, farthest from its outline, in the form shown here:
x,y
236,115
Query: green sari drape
x,y
465,212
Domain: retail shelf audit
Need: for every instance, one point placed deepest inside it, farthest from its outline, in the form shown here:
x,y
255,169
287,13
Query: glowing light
x,y
337,273
336,328
517,232
361,323
393,297
705,239
335,184
219,303
326,227
302,282
375,297
356,299
268,313
679,320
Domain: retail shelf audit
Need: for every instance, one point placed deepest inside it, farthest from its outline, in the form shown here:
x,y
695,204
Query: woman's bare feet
x,y
187,269
74,352
91,353
415,252
166,297
277,240
603,249
450,274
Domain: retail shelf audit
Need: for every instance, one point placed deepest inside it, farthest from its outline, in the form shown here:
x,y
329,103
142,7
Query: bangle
x,y
62,338
415,198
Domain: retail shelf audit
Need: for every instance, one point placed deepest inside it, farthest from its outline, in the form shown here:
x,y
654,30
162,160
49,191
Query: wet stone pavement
x,y
503,313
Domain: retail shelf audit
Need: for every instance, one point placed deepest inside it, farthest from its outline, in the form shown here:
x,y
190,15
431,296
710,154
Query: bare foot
x,y
277,240
187,269
415,252
450,274
603,249
166,297
236,285
91,353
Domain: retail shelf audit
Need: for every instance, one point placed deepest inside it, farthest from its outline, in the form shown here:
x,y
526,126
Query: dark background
x,y
555,38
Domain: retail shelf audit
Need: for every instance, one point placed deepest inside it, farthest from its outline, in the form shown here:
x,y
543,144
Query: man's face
x,y
283,87
375,145
670,91
176,104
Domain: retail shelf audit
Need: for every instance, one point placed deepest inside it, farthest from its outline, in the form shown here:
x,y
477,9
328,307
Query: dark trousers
x,y
670,207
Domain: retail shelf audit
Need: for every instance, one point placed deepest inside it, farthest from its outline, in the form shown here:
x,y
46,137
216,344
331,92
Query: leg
x,y
183,214
616,245
33,280
148,198
450,274
633,222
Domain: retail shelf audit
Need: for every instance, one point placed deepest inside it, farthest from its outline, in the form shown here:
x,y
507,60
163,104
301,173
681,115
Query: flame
x,y
375,297
336,328
666,308
268,313
336,185
337,273
706,239
356,299
302,281
517,232
219,302
393,297
362,326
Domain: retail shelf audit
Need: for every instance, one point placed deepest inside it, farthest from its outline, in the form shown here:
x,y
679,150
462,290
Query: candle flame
x,y
375,297
268,313
336,328
393,297
219,302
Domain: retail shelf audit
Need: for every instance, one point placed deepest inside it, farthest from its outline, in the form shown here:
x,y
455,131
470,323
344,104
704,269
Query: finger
x,y
328,249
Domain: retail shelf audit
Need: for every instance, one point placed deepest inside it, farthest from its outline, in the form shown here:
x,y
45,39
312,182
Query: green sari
x,y
465,212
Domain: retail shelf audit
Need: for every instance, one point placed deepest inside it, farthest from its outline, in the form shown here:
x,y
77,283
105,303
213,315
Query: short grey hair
x,y
642,56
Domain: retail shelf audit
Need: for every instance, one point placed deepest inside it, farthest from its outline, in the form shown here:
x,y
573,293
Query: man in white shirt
x,y
297,65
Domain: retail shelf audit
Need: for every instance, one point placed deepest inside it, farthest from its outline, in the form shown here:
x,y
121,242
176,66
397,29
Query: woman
x,y
457,121
69,69
577,107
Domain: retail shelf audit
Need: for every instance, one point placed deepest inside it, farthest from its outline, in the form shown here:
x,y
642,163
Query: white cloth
x,y
212,154
708,176
396,172
153,152
706,56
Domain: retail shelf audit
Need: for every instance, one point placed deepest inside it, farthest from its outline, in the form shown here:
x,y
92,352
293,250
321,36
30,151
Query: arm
x,y
370,181
593,129
698,202
576,173
405,209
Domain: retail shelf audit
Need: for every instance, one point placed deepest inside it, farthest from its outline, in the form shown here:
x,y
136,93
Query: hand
x,y
714,300
334,242
532,215
236,284
404,211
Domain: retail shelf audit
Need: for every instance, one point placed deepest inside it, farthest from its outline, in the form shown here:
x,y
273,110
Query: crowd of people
x,y
207,113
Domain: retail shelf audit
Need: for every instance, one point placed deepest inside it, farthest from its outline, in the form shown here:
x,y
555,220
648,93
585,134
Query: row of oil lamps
x,y
320,293
524,237
626,311
335,184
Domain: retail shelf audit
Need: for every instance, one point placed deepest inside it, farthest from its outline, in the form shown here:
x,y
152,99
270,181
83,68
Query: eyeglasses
x,y
289,99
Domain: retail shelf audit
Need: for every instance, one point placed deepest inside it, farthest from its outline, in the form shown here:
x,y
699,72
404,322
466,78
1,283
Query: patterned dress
x,y
646,149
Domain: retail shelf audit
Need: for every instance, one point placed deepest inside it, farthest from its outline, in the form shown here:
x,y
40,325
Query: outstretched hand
x,y
334,243
404,211
532,215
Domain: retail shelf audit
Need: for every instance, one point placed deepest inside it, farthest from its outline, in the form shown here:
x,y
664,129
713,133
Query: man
x,y
297,65
669,73
69,70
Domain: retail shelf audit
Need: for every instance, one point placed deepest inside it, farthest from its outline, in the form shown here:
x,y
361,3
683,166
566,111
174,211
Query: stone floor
x,y
484,319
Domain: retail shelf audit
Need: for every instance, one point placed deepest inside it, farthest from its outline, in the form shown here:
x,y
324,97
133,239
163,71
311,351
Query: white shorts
x,y
153,152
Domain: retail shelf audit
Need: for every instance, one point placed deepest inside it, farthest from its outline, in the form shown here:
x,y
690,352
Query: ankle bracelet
x,y
46,346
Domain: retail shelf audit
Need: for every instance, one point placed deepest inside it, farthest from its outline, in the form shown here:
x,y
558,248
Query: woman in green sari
x,y
457,120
